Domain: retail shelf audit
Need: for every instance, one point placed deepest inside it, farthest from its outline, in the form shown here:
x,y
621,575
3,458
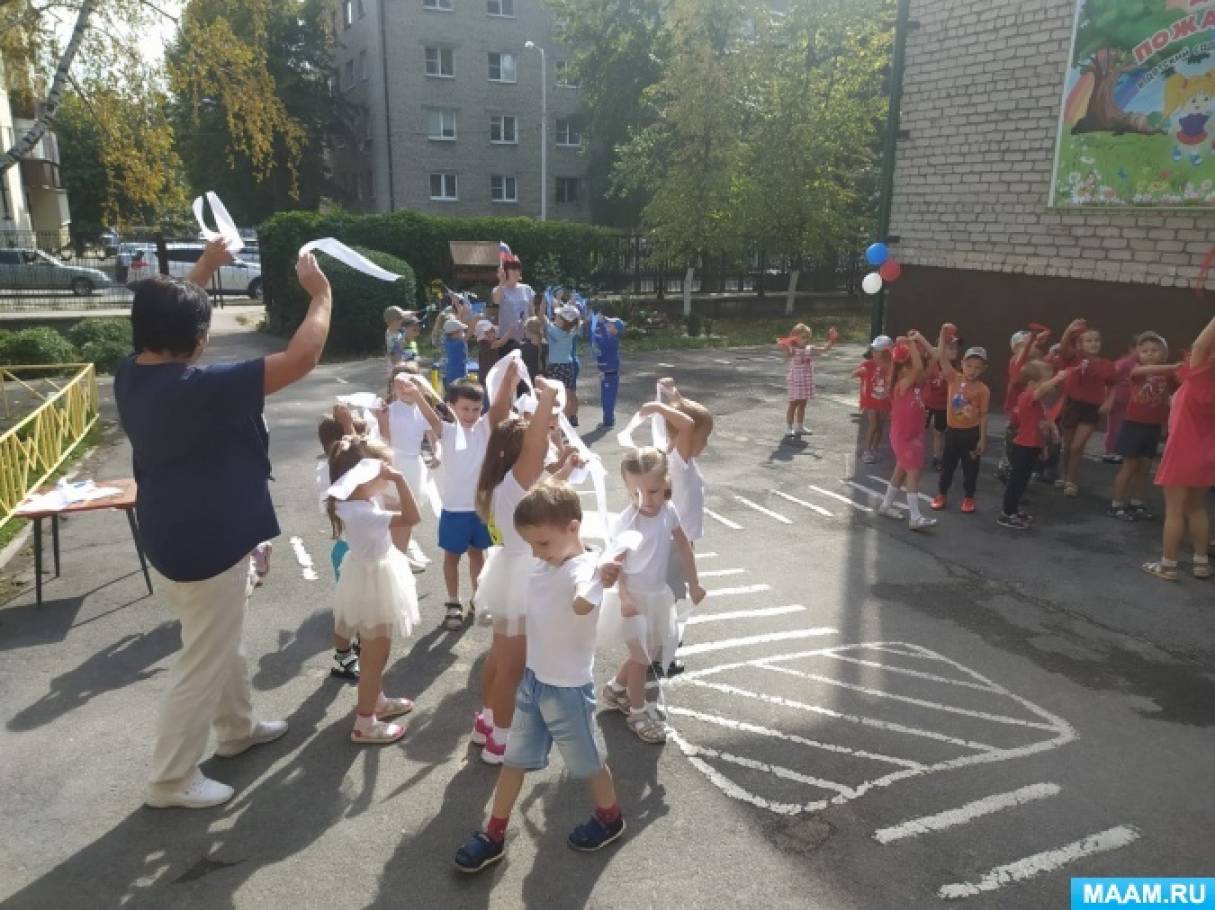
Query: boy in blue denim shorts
x,y
555,702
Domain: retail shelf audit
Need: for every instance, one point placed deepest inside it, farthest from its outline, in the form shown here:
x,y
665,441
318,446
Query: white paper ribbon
x,y
347,256
625,542
366,400
367,469
658,428
227,230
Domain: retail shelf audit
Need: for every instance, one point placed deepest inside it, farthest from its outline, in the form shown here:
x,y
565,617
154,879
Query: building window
x,y
440,124
440,62
348,75
503,128
347,13
565,78
567,189
363,66
443,187
444,5
567,133
503,189
501,8
501,67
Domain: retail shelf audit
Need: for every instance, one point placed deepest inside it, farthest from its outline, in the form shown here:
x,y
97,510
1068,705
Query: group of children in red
x,y
1056,398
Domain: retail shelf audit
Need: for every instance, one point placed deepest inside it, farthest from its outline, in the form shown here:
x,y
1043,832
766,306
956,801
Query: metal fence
x,y
44,271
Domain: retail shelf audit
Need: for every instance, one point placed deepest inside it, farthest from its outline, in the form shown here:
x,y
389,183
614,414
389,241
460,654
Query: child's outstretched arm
x,y
529,466
683,425
1154,369
411,394
942,360
409,515
1204,345
687,561
1049,385
833,336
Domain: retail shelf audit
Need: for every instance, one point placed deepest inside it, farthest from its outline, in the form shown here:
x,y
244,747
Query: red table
x,y
124,501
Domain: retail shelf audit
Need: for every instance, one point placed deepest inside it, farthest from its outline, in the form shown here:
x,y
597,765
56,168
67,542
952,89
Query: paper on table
x,y
62,497
227,232
346,255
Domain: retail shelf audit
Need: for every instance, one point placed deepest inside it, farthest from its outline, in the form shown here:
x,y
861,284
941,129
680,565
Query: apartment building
x,y
33,202
449,109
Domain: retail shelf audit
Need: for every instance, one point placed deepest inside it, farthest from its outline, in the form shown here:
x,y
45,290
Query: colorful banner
x,y
1135,127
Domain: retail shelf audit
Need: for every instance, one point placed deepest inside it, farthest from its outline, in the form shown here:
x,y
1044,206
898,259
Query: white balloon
x,y
871,283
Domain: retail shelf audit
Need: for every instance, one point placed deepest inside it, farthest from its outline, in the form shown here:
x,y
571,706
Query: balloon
x,y
871,283
890,270
877,253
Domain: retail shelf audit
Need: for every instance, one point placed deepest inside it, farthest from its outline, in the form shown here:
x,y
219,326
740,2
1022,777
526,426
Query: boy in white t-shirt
x,y
464,442
556,699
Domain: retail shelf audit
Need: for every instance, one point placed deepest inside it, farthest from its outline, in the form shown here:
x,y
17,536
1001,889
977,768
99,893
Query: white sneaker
x,y
199,793
889,512
921,523
266,731
803,430
414,552
417,568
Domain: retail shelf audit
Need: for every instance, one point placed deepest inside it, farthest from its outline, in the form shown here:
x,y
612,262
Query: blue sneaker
x,y
479,851
595,834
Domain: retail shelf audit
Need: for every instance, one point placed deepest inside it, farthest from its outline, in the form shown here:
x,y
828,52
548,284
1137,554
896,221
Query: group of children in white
x,y
512,468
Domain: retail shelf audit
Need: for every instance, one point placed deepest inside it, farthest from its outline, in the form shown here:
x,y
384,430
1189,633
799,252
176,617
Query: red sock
x,y
609,815
496,829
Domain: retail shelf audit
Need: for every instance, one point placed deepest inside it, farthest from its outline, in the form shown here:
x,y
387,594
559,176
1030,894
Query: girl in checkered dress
x,y
800,377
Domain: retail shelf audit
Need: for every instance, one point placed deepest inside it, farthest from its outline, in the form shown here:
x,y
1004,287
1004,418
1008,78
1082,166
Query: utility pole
x,y
543,130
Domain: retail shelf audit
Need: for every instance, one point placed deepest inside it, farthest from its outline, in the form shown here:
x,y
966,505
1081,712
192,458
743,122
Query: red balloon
x,y
890,270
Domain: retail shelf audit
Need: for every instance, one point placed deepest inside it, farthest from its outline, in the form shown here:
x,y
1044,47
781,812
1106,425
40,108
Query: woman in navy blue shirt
x,y
200,449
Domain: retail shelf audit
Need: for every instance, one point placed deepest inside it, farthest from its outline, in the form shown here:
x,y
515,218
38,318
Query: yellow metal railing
x,y
31,451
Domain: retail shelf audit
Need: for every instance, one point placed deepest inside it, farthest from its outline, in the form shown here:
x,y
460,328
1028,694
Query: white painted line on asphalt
x,y
807,505
302,557
699,618
777,770
753,640
838,715
888,668
741,589
884,480
719,360
758,508
874,494
1046,861
918,702
731,789
950,818
844,499
669,366
732,525
709,555
720,573
742,726
341,380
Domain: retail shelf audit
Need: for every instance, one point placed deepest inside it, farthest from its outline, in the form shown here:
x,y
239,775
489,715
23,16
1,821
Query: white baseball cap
x,y
483,328
976,351
1018,338
882,343
453,325
569,313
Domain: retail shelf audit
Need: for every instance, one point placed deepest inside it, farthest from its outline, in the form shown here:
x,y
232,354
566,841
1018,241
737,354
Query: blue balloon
x,y
877,253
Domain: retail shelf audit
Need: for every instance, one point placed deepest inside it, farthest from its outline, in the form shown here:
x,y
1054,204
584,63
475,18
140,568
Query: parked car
x,y
243,276
28,269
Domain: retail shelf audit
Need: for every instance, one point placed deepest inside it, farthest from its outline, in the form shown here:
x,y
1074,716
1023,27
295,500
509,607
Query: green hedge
x,y
103,342
36,346
551,250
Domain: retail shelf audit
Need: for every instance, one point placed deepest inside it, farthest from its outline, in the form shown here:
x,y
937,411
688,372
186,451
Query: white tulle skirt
x,y
376,598
652,632
502,590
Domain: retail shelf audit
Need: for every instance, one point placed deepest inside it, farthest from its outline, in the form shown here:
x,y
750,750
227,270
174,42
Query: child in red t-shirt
x,y
1122,394
1147,411
936,399
1090,395
1026,347
874,374
1034,433
1187,469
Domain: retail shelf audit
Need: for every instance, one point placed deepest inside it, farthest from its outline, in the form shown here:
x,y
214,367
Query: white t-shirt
x,y
461,468
560,643
365,527
688,494
506,497
407,427
645,569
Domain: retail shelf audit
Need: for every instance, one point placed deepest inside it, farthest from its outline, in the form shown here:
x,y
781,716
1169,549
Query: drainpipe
x,y
889,152
392,189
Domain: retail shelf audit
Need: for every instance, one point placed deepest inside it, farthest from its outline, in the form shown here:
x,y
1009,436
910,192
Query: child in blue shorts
x,y
330,431
555,702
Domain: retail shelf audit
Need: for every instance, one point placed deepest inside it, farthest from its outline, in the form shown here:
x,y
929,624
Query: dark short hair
x,y
169,315
465,388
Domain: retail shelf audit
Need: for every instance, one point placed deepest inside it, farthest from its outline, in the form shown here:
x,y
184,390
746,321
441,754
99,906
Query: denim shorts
x,y
547,714
460,530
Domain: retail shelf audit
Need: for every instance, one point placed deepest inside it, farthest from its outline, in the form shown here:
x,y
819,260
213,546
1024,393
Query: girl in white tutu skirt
x,y
376,598
640,611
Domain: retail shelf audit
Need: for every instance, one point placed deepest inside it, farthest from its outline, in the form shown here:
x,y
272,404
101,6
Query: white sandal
x,y
380,733
1160,570
393,707
1201,569
646,728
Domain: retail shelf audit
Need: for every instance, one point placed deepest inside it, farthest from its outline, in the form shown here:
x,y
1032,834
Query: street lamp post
x,y
543,131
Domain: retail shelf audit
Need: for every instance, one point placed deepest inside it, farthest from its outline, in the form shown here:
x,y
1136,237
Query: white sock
x,y
616,687
487,715
500,734
913,502
888,499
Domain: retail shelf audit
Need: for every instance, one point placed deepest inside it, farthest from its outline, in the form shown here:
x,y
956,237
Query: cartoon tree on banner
x,y
1106,35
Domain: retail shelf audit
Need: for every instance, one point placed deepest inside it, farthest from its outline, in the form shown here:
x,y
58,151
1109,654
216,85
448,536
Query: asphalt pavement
x,y
871,717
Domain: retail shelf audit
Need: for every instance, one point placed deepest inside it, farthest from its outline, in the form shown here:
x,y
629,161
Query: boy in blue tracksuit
x,y
605,342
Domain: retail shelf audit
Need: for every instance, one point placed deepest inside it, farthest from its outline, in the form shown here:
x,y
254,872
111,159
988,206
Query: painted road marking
x,y
304,560
732,525
754,640
889,668
918,702
885,480
758,508
1047,861
720,573
741,589
950,818
744,614
706,555
807,505
844,499
874,494
341,380
669,366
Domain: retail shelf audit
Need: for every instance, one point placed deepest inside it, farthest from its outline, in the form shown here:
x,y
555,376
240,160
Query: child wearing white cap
x,y
874,374
561,335
455,351
488,346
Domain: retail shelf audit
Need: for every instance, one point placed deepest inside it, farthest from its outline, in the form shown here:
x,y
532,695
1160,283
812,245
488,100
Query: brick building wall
x,y
981,101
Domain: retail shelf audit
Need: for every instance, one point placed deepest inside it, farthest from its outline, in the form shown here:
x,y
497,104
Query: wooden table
x,y
124,500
